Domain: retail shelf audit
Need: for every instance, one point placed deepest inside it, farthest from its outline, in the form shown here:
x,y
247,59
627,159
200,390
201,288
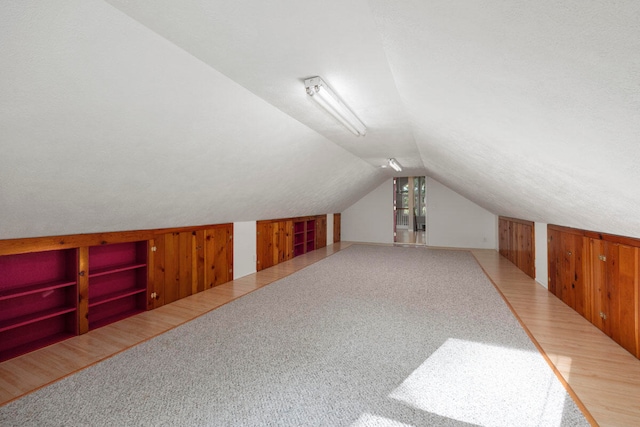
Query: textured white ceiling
x,y
530,109
140,113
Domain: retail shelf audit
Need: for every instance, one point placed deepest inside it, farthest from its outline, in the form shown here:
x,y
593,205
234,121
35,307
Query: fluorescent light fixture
x,y
395,165
320,92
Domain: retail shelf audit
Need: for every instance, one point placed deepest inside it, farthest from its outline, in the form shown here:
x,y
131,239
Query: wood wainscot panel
x,y
599,278
264,245
321,231
516,242
218,255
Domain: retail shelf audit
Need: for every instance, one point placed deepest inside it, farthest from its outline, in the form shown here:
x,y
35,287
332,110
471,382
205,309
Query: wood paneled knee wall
x,y
517,243
598,276
279,240
52,288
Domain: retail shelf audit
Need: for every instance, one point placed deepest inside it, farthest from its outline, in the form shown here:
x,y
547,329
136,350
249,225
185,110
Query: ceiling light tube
x,y
320,92
395,165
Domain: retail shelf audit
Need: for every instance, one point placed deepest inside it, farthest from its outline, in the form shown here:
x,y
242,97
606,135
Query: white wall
x,y
329,229
454,221
370,219
244,248
542,272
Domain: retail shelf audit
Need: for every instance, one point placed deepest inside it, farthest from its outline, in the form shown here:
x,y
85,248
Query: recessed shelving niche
x,y
117,282
38,300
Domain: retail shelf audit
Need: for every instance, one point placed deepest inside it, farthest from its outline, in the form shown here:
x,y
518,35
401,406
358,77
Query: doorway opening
x,y
410,210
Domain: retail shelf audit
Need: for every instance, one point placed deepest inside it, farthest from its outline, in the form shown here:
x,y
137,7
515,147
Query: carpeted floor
x,y
371,336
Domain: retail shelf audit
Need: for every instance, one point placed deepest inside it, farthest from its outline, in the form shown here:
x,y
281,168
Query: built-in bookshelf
x,y
56,287
117,282
38,300
310,239
299,238
304,236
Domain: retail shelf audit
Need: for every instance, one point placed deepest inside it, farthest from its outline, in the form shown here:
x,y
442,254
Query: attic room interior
x,y
197,220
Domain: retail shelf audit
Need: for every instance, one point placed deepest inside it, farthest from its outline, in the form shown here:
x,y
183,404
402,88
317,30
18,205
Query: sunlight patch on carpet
x,y
485,385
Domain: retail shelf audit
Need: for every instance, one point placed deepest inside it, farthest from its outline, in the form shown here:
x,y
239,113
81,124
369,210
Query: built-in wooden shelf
x,y
116,269
38,300
27,319
53,288
117,282
114,296
33,289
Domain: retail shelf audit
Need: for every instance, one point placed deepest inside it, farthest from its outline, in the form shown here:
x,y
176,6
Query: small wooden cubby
x,y
304,236
117,282
38,300
299,238
310,228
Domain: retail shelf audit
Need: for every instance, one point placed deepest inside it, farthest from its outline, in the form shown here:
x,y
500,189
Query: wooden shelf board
x,y
115,269
115,296
7,325
33,289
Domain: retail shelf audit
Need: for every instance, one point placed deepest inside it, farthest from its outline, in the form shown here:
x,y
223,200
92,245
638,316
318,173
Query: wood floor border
x,y
535,342
601,376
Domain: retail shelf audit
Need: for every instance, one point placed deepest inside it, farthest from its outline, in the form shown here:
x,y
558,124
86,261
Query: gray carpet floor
x,y
371,336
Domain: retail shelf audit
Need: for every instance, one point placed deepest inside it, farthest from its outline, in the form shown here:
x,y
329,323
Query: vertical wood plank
x,y
159,270
185,265
219,245
151,269
516,242
501,237
637,302
623,328
288,226
282,241
609,287
519,253
83,290
598,291
277,249
321,231
552,257
565,269
217,266
172,268
209,253
229,246
587,295
578,283
199,262
193,286
263,245
531,249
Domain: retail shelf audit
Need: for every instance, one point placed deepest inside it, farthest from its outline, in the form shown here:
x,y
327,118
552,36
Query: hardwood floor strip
x,y
604,376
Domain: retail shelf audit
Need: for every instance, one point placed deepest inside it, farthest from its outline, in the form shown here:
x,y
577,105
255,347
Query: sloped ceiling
x,y
140,113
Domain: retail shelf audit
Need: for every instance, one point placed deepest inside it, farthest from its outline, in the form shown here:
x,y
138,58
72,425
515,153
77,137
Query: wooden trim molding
x,y
517,220
38,244
613,238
